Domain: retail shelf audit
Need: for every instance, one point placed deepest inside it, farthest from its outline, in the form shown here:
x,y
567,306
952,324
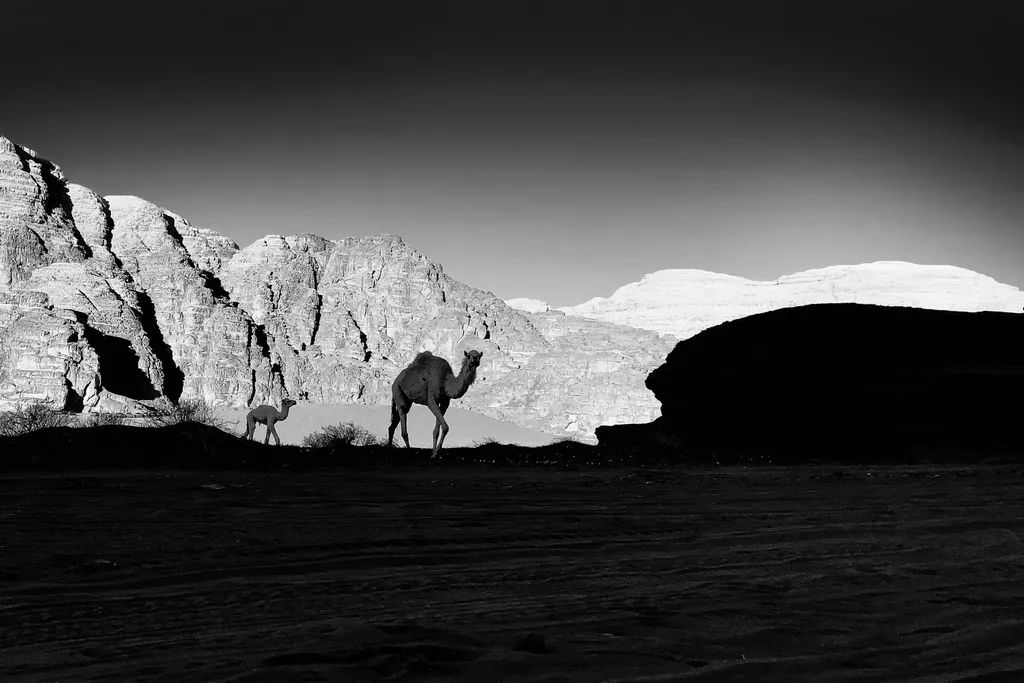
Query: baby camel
x,y
429,381
267,415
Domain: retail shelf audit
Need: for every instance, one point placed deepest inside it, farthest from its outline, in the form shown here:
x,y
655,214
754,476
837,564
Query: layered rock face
x,y
115,304
681,303
589,369
218,353
36,226
346,316
853,380
44,355
529,305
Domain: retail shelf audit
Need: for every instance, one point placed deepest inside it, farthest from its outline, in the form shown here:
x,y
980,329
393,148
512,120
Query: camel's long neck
x,y
283,413
457,386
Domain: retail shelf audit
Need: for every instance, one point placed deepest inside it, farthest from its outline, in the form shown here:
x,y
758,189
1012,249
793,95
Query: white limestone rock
x,y
529,305
681,303
44,356
219,354
36,227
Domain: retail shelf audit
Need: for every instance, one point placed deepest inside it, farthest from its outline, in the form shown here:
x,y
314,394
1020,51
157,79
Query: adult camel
x,y
429,381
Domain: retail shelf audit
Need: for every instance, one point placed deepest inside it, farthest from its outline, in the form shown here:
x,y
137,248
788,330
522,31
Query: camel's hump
x,y
423,355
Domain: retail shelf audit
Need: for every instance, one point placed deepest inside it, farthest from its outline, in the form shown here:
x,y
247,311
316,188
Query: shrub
x,y
188,410
103,419
30,418
341,435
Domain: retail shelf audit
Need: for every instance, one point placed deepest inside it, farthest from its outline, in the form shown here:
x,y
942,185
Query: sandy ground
x,y
366,575
466,428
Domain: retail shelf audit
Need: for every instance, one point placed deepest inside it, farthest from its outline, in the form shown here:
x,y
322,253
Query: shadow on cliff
x,y
839,382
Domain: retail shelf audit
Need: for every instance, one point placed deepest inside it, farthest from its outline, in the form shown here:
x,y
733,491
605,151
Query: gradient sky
x,y
554,150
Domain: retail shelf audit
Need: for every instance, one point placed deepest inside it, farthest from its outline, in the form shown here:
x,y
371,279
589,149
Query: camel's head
x,y
473,358
287,402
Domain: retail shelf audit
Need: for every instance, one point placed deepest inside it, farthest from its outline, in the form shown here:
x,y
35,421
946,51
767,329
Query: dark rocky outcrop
x,y
839,380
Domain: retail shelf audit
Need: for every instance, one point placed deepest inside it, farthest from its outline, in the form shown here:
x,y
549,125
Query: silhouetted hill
x,y
839,381
192,446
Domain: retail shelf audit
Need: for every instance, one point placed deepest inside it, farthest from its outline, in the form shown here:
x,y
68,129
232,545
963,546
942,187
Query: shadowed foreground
x,y
380,574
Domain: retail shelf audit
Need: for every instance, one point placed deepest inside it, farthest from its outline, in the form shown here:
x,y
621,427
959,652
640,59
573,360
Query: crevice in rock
x,y
367,354
59,201
73,402
213,283
316,320
172,230
174,378
252,388
119,366
259,333
22,157
108,231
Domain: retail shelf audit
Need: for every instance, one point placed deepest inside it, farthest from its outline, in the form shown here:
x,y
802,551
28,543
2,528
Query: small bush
x,y
103,419
189,410
30,418
341,435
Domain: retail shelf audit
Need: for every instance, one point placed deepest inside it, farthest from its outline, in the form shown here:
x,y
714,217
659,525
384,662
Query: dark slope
x,y
192,446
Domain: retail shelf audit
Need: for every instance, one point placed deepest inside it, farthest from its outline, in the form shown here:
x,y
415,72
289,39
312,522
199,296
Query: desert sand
x,y
823,572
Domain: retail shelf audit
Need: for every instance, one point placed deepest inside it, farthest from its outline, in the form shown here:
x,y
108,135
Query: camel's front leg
x,y
272,429
395,419
443,407
440,428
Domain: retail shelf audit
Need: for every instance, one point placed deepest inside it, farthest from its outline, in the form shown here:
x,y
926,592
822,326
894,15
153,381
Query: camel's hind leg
x,y
440,428
400,405
250,428
404,417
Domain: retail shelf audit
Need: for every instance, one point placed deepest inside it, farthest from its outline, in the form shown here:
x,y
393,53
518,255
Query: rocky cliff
x,y
117,304
681,303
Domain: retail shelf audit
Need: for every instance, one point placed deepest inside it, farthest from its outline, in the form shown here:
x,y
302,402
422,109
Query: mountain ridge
x,y
682,302
116,304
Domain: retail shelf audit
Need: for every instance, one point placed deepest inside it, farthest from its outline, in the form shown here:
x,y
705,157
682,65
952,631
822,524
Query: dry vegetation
x,y
31,418
188,410
343,435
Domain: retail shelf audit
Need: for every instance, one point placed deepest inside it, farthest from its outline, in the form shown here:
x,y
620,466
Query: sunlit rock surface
x,y
217,352
681,303
529,305
591,373
115,303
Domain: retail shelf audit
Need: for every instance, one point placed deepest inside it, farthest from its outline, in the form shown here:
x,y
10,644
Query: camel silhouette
x,y
267,415
429,381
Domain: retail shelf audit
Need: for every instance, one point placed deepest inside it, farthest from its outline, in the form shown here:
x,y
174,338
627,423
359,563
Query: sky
x,y
554,150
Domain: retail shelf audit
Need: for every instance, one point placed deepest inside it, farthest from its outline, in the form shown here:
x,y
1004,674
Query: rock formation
x,y
681,303
116,304
854,380
529,305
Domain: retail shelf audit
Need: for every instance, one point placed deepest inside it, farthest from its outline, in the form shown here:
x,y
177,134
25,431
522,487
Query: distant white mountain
x,y
681,303
529,305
